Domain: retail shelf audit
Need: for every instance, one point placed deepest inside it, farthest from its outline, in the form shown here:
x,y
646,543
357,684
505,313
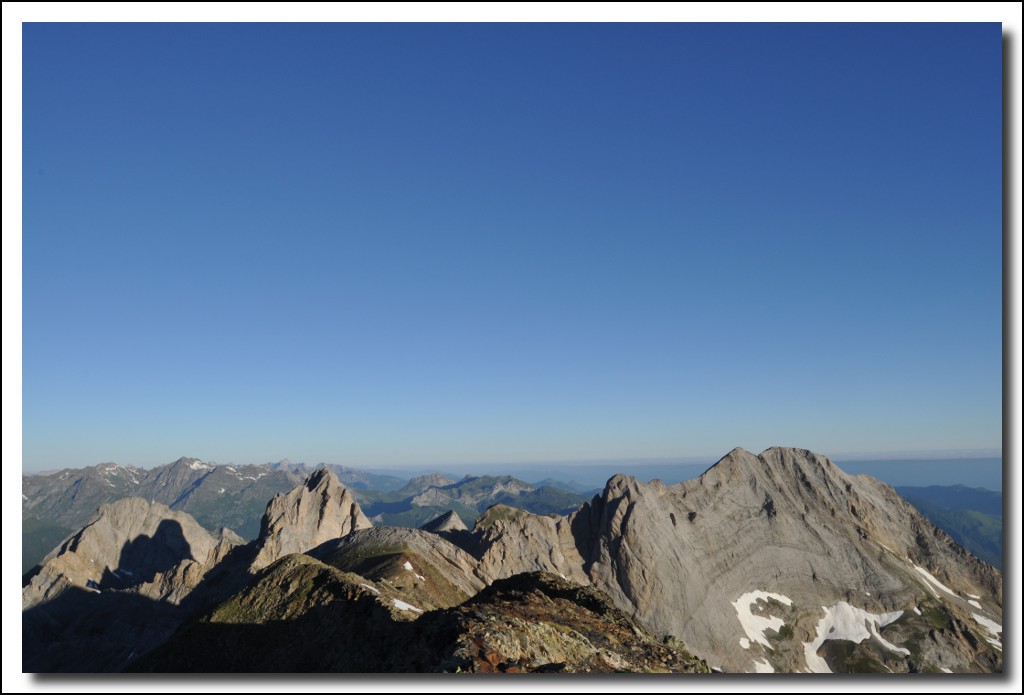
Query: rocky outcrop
x,y
117,587
131,543
319,510
510,541
228,536
539,622
304,616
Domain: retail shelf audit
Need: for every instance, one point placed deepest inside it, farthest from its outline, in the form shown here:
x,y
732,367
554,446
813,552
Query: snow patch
x,y
24,497
198,466
993,628
755,625
221,491
944,669
847,622
932,581
408,566
917,610
973,596
403,606
975,604
763,667
744,642
371,588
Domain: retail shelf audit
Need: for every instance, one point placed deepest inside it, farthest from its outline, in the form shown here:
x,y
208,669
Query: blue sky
x,y
426,244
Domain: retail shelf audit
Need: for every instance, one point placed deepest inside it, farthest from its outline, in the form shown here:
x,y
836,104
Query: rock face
x,y
753,563
317,511
304,616
510,541
130,543
116,588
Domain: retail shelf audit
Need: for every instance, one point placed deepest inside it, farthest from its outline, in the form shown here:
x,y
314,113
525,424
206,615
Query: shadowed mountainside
x,y
328,620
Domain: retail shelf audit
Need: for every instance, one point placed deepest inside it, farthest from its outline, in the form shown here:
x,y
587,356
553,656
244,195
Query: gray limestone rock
x,y
510,541
129,544
755,563
319,510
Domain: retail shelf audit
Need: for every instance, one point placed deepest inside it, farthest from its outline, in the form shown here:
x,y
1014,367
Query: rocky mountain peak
x,y
449,521
128,543
621,485
318,510
189,463
788,525
322,479
778,468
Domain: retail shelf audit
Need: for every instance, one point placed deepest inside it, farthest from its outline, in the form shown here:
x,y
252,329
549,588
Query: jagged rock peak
x,y
449,521
620,485
322,478
318,510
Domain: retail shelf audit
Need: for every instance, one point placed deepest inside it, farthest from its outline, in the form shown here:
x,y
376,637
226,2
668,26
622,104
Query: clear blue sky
x,y
418,244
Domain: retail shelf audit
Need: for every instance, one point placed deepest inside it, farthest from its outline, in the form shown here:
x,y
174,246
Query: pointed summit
x,y
191,463
449,521
318,510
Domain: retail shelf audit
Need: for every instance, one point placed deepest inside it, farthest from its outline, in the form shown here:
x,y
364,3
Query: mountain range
x,y
773,562
57,503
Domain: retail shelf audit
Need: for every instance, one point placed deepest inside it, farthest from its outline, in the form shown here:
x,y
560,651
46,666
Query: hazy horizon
x,y
889,455
973,469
